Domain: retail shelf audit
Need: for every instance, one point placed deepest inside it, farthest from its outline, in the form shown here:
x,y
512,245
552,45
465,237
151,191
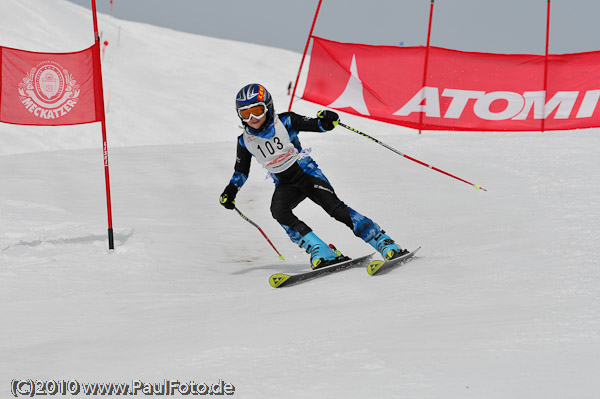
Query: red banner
x,y
463,90
48,88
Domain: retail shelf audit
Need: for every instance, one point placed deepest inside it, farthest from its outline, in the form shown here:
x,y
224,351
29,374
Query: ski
x,y
285,280
378,267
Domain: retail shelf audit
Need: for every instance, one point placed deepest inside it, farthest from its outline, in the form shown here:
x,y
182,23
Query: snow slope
x,y
502,303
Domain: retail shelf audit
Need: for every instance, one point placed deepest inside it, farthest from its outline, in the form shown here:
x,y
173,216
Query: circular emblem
x,y
49,91
49,82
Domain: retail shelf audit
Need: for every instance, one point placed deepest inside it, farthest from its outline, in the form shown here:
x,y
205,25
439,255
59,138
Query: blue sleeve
x,y
242,164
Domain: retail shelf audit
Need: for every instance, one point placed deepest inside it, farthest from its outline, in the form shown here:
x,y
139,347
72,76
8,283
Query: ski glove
x,y
228,197
328,119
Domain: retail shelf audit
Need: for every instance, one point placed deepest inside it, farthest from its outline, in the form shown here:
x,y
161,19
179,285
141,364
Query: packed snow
x,y
502,302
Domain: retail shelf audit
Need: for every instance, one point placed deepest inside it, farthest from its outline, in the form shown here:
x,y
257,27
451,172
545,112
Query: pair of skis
x,y
374,268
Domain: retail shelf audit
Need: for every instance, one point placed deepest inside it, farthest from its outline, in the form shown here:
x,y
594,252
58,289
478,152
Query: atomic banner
x,y
460,90
48,88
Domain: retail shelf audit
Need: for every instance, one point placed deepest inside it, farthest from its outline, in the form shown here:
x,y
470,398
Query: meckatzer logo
x,y
48,91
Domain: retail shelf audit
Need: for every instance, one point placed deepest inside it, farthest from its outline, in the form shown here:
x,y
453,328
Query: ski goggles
x,y
257,110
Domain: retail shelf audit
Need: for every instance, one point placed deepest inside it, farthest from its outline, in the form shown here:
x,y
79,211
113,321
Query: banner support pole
x,y
99,100
304,54
546,67
426,60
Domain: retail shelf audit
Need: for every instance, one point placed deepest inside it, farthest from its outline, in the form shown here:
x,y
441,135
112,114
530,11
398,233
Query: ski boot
x,y
386,246
321,254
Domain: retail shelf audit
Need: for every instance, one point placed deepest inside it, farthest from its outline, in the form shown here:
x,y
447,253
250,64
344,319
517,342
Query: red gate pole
x,y
304,54
426,61
546,68
99,100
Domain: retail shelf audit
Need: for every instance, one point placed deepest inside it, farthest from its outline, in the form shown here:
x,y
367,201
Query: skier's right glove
x,y
227,199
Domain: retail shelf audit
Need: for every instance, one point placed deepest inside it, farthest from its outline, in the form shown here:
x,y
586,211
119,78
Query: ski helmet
x,y
254,94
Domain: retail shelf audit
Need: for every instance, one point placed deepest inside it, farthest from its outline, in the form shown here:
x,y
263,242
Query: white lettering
x,y
44,113
27,102
460,98
588,106
562,102
565,101
514,106
429,95
518,107
535,99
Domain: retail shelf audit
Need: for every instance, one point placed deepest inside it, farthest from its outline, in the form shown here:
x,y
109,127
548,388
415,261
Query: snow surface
x,y
503,301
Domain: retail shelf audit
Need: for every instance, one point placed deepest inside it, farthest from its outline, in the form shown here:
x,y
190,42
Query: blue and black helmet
x,y
254,94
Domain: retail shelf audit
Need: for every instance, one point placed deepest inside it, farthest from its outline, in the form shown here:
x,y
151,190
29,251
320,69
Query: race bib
x,y
275,154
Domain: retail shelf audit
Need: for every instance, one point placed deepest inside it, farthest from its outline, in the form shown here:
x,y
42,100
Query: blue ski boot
x,y
321,254
386,246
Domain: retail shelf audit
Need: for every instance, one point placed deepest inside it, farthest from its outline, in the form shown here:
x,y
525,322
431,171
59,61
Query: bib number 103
x,y
270,148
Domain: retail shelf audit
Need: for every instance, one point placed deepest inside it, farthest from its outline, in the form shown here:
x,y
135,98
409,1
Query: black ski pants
x,y
294,187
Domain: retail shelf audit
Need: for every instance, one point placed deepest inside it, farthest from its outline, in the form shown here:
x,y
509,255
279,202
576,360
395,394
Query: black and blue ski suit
x,y
296,175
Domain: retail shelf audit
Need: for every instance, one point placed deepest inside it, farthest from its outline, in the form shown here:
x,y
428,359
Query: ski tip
x,y
277,280
374,266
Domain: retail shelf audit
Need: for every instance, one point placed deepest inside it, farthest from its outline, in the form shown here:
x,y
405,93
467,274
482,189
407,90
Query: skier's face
x,y
256,123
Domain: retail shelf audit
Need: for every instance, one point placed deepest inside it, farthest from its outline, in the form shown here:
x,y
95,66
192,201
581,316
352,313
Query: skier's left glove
x,y
227,199
328,119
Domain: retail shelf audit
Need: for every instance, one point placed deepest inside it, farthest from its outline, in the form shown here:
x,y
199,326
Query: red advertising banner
x,y
48,88
464,90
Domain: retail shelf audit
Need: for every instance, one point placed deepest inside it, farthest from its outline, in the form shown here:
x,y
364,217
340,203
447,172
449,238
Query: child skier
x,y
273,140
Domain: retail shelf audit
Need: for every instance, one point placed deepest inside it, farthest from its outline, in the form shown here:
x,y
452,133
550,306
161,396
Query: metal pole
x,y
426,61
99,100
281,257
477,186
546,67
304,54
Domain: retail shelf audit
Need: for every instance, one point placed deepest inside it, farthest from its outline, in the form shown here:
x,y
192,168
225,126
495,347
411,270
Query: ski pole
x,y
281,256
477,186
